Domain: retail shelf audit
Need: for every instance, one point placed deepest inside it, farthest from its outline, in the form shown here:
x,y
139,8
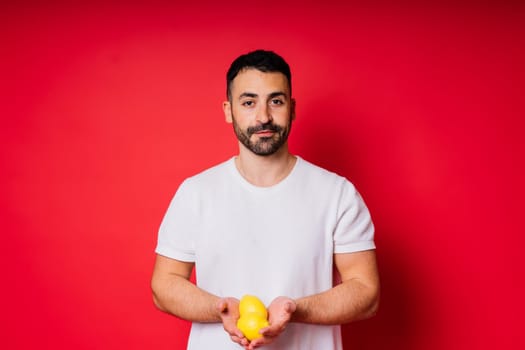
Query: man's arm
x,y
356,298
175,294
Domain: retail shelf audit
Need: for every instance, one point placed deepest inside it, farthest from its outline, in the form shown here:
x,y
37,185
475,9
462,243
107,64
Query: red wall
x,y
105,109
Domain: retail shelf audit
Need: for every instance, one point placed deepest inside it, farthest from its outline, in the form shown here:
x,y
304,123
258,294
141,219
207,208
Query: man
x,y
266,223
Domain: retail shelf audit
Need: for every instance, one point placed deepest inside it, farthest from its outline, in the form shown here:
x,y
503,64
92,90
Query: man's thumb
x,y
222,305
290,307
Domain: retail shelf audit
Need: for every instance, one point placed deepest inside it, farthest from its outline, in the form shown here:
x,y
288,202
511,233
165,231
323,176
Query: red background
x,y
106,108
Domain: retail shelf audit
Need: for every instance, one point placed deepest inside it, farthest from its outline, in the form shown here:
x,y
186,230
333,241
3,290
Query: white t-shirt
x,y
265,241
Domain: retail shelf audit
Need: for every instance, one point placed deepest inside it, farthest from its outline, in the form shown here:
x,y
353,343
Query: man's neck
x,y
265,171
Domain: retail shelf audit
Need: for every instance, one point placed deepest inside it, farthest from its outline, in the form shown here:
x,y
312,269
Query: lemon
x,y
250,325
253,317
250,304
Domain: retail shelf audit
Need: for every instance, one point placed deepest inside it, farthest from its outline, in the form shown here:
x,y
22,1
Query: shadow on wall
x,y
397,325
329,139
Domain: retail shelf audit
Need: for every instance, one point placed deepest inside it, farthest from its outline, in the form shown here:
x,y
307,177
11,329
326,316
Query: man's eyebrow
x,y
254,95
277,94
248,94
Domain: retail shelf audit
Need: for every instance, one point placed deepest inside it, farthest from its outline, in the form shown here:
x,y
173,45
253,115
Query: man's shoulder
x,y
323,179
212,174
318,171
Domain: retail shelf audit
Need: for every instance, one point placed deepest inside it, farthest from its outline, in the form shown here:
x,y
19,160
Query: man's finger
x,y
271,332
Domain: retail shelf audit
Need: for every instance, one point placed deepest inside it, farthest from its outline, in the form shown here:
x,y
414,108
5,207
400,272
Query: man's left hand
x,y
279,315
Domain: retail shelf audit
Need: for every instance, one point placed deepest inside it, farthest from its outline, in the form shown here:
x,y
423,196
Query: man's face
x,y
261,110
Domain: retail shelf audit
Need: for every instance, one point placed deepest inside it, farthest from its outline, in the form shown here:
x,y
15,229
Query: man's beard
x,y
263,146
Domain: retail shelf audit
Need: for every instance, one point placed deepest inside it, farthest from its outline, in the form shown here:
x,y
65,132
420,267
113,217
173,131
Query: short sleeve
x,y
354,230
176,238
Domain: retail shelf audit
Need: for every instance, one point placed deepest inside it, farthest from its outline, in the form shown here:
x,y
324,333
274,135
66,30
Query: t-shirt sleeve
x,y
354,230
176,238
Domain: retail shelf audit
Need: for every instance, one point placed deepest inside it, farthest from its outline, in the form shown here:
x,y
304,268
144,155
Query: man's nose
x,y
263,114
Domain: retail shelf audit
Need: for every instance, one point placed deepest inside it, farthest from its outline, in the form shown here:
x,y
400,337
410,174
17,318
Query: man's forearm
x,y
180,297
346,302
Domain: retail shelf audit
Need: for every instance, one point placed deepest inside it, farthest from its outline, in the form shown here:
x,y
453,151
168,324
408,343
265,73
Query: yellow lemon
x,y
250,325
250,304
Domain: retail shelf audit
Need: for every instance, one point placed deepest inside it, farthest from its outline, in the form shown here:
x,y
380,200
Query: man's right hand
x,y
229,312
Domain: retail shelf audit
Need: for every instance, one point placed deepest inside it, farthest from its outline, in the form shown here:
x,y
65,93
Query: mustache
x,y
264,127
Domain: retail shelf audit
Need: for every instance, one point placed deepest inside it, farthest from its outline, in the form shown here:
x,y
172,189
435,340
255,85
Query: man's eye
x,y
248,103
277,102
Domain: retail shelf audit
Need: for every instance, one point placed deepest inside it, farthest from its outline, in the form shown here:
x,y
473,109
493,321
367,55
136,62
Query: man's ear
x,y
293,108
227,108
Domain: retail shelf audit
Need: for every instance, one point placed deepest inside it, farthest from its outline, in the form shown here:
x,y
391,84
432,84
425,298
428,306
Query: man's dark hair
x,y
264,61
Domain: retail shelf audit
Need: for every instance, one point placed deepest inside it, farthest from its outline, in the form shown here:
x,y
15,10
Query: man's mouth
x,y
264,133
264,130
